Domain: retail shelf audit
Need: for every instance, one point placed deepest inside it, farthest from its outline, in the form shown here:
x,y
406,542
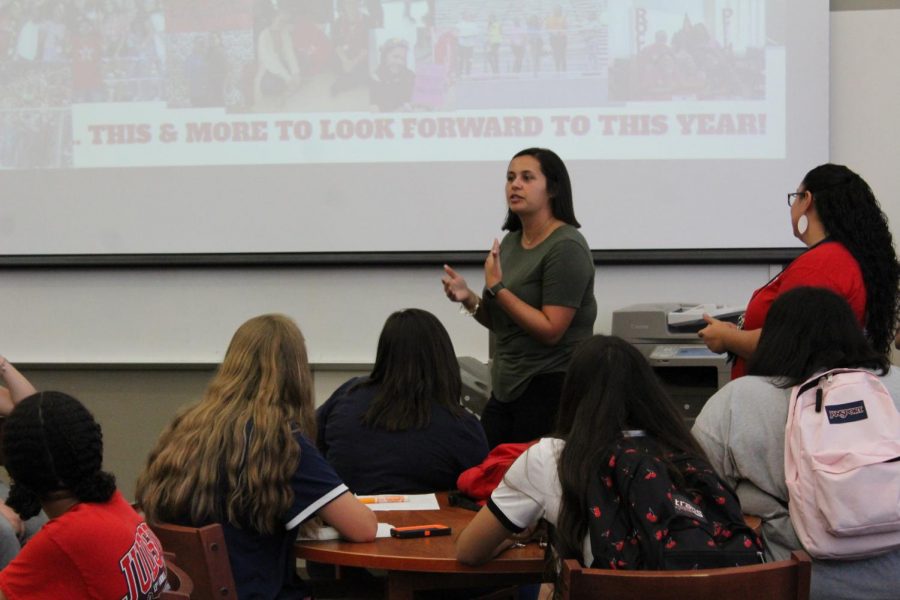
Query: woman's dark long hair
x,y
559,188
53,444
852,216
808,330
415,369
609,388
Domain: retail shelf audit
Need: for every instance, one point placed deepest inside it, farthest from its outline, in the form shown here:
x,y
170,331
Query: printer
x,y
666,333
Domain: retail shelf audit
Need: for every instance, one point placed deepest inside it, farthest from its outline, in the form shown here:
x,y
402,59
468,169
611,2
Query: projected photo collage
x,y
87,83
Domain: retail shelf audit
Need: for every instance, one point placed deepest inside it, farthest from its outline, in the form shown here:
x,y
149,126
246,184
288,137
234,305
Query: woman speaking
x,y
538,298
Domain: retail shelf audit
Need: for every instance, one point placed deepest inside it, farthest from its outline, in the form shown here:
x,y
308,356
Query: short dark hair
x,y
52,443
808,330
559,188
851,215
415,368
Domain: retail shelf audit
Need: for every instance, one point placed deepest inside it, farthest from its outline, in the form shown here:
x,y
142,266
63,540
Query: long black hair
x,y
609,388
415,369
559,188
852,216
808,330
52,443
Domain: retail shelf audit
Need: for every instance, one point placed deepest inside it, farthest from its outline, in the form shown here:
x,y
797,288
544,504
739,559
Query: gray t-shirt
x,y
741,428
558,272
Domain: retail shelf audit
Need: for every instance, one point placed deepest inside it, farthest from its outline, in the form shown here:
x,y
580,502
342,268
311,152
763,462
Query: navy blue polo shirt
x,y
264,566
372,460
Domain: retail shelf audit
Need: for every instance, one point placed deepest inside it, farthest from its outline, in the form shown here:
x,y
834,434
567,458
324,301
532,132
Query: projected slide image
x,y
698,51
145,83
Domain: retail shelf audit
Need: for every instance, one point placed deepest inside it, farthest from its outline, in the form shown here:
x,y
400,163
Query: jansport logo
x,y
846,413
685,507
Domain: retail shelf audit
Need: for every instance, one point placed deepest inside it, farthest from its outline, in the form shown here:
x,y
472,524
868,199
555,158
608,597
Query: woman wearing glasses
x,y
850,251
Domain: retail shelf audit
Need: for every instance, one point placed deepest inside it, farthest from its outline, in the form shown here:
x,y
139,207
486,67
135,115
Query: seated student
x,y
14,532
807,330
242,457
95,545
402,428
611,405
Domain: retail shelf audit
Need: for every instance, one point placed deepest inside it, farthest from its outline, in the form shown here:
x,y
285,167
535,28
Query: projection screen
x,y
311,126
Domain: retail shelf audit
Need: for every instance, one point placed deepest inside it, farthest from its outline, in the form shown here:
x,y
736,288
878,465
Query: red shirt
x,y
826,265
94,550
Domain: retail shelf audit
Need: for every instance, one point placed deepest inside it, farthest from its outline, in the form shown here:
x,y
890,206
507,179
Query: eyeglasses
x,y
794,196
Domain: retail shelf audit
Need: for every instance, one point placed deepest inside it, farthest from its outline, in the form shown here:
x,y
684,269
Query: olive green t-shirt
x,y
559,272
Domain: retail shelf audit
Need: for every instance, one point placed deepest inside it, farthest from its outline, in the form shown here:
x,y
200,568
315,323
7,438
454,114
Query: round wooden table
x,y
428,563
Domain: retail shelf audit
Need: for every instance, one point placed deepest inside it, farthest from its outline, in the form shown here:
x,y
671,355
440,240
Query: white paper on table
x,y
330,533
413,502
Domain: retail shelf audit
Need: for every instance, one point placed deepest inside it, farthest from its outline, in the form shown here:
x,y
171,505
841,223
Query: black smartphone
x,y
415,531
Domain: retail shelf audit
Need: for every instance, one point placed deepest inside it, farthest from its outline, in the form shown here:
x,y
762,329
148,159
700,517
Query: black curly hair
x,y
52,443
852,216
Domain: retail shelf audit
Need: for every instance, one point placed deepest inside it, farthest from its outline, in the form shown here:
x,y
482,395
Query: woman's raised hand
x,y
493,274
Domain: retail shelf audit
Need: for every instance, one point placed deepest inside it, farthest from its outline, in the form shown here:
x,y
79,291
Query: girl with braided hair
x,y
244,457
850,252
95,545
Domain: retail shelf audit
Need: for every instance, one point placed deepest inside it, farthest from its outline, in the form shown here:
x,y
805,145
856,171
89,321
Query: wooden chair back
x,y
180,585
783,580
202,554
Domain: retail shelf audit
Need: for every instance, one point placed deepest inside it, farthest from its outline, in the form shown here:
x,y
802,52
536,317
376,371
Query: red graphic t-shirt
x,y
94,550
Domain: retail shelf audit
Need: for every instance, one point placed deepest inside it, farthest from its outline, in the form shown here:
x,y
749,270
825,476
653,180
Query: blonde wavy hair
x,y
265,381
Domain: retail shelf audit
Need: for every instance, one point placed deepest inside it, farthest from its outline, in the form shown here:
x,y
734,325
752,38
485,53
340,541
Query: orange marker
x,y
382,499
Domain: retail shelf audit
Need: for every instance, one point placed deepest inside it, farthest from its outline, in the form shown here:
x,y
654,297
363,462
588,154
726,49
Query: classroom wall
x,y
133,405
865,85
55,310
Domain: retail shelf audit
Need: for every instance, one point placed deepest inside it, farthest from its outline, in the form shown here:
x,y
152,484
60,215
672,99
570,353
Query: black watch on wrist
x,y
495,289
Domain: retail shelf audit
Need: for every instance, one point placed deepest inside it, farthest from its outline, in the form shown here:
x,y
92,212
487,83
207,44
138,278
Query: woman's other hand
x,y
455,286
